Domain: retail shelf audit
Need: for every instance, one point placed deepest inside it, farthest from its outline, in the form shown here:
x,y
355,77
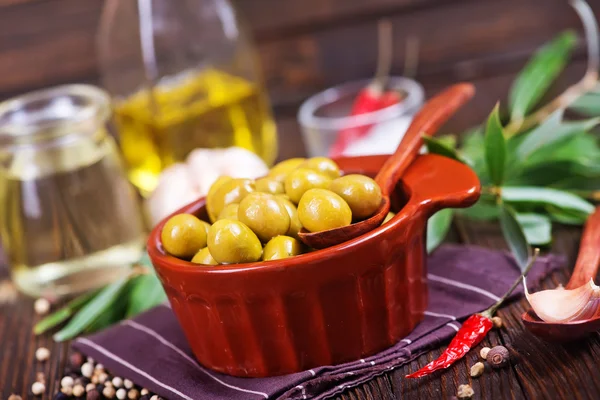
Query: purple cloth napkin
x,y
152,351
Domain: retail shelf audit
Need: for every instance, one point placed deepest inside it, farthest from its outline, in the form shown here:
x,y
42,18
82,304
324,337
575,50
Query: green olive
x,y
265,214
321,210
295,224
389,216
228,192
301,180
204,257
362,194
324,165
183,235
231,241
282,247
206,226
269,185
229,212
281,170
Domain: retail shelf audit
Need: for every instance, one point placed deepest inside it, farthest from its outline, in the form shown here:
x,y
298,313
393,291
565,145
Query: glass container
x,y
324,115
69,218
182,75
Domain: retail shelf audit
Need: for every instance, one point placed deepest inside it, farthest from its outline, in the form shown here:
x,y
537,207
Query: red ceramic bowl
x,y
325,307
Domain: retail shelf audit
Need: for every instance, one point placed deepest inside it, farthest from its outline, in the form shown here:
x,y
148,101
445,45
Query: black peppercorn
x,y
145,397
93,395
498,357
61,396
76,360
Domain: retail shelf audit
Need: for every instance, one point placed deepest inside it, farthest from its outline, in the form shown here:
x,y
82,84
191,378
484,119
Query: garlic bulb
x,y
182,183
562,305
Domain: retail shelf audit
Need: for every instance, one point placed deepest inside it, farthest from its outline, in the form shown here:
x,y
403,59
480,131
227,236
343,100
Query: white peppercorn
x,y
133,394
117,382
87,370
15,397
90,360
477,369
78,390
121,394
465,392
108,392
41,306
484,352
38,388
67,390
497,322
127,383
42,354
99,367
102,377
67,381
89,387
144,391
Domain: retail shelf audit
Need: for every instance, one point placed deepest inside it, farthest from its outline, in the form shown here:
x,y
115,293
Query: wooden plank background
x,y
307,45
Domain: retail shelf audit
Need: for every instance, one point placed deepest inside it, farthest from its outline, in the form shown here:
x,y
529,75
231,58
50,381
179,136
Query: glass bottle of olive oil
x,y
183,75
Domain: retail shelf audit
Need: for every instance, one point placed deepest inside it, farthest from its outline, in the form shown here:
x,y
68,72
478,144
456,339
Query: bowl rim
x,y
164,260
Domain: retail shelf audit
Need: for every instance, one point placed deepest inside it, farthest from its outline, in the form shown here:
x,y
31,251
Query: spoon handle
x,y
588,259
427,121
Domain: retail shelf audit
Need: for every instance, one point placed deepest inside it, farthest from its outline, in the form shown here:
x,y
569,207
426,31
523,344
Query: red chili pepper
x,y
473,330
369,98
367,101
470,334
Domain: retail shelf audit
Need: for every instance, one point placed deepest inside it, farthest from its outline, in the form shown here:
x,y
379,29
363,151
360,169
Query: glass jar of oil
x,y
69,218
182,75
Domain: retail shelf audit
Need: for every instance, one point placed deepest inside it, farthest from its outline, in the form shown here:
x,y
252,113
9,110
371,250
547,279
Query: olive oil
x,y
209,109
69,219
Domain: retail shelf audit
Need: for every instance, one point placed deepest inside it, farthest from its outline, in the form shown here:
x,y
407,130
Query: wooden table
x,y
543,371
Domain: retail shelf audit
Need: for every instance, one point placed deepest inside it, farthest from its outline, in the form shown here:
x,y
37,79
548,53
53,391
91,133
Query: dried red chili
x,y
473,330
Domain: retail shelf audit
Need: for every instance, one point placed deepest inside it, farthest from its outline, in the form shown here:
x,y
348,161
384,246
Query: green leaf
x,y
547,196
579,183
92,310
583,148
111,315
61,315
514,235
495,148
448,140
552,130
588,104
438,227
568,217
539,73
556,174
146,293
484,210
436,146
537,228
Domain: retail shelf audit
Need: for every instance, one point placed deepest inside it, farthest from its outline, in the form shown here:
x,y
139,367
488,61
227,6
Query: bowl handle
x,y
435,182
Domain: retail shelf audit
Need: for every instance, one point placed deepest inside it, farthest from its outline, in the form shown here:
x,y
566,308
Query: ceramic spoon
x,y
586,268
426,122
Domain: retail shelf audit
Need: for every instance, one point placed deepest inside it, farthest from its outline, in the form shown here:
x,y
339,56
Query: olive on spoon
x,y
427,121
586,268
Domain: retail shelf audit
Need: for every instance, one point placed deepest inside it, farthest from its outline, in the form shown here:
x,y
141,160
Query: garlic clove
x,y
562,305
174,190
